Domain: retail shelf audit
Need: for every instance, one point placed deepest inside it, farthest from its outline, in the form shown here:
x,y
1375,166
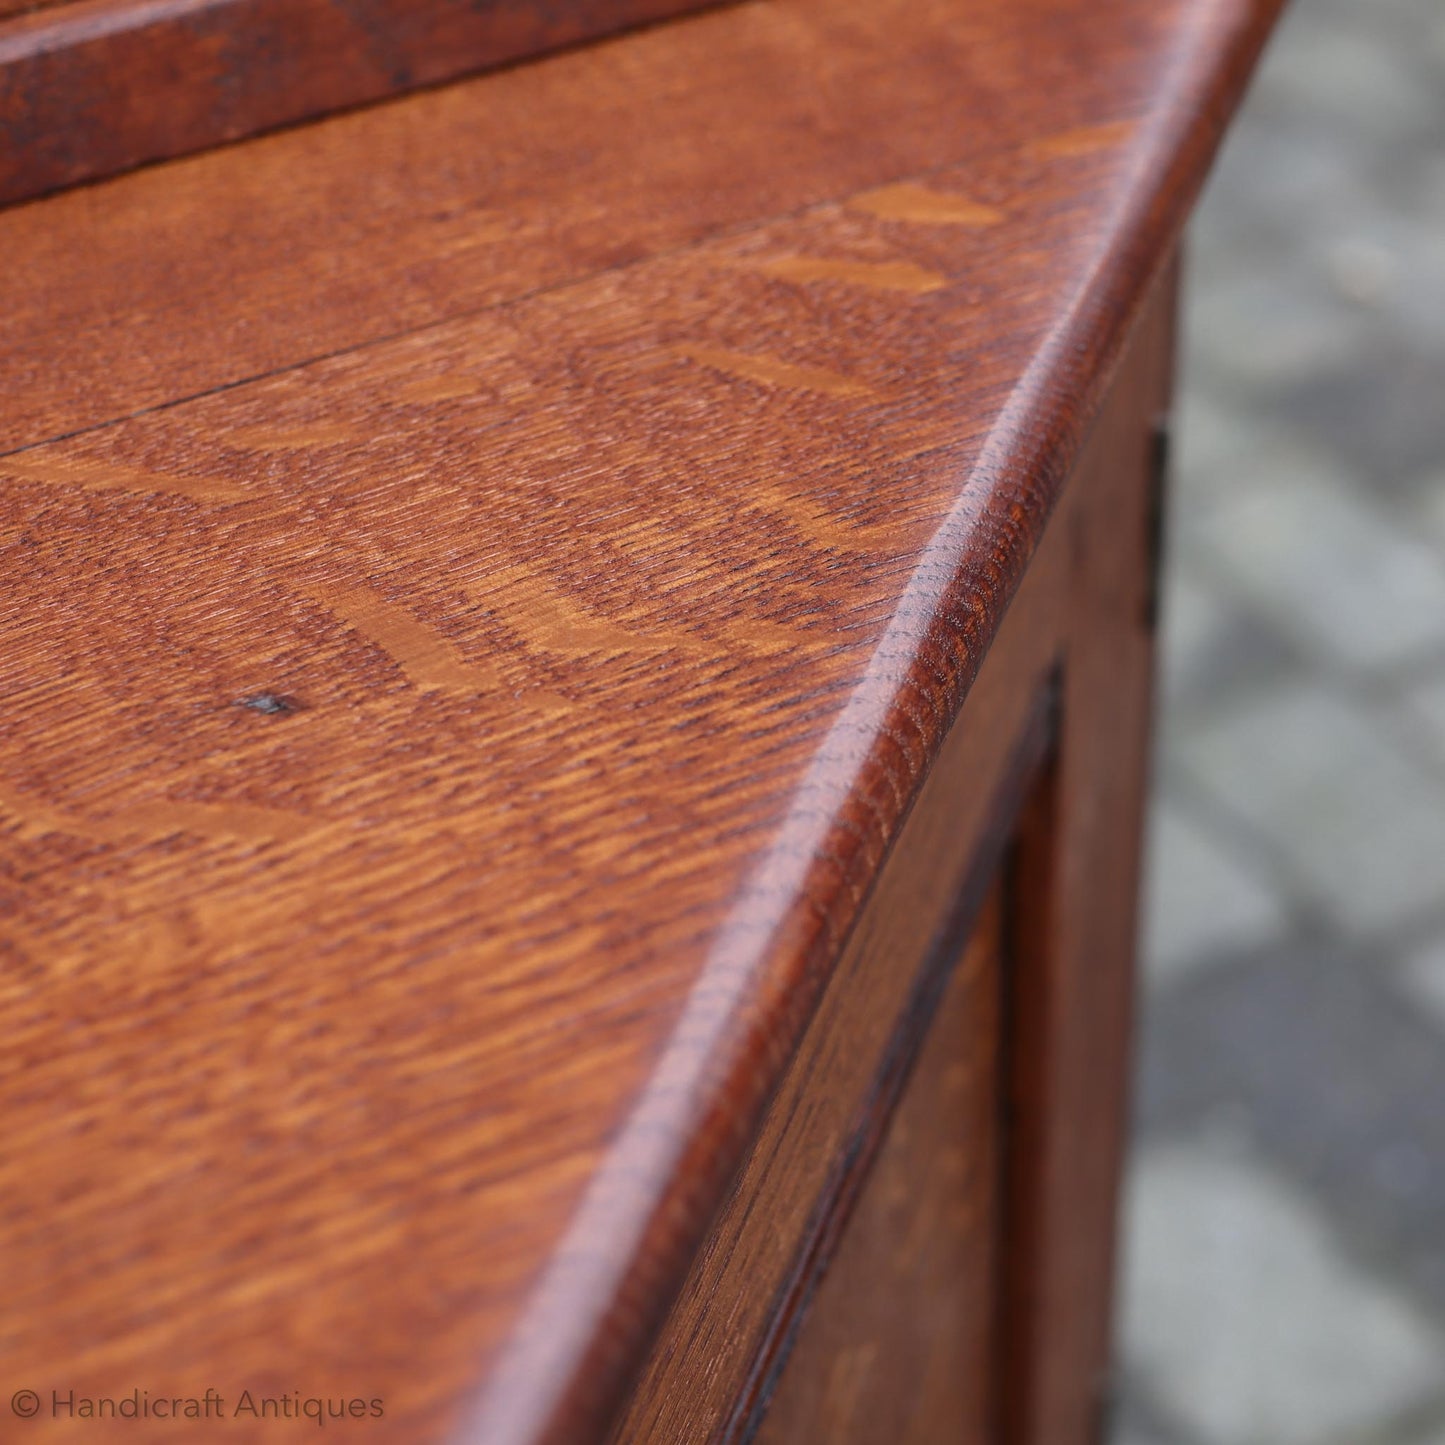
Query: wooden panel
x,y
720,1347
1072,926
898,1341
1081,612
21,7
91,87
245,261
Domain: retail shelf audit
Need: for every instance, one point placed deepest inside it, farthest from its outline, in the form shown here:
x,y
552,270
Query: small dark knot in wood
x,y
273,704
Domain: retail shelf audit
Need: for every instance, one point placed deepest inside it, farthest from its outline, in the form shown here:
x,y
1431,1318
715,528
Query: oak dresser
x,y
574,699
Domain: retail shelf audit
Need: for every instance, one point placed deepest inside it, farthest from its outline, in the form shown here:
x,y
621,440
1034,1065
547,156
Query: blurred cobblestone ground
x,y
1285,1238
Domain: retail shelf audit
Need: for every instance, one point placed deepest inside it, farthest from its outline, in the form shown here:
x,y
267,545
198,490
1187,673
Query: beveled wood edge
x,y
835,1207
740,1268
152,88
992,807
1072,933
599,1305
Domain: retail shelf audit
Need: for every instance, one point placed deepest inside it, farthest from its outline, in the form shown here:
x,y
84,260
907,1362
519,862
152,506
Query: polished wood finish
x,y
22,7
92,87
474,631
897,1342
1073,925
753,1275
1034,160
1067,678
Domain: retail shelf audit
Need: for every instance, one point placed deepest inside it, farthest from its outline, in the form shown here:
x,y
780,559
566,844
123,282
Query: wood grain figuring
x,y
710,1371
92,87
905,202
897,1344
716,1357
429,1017
109,476
877,275
427,658
1073,925
21,7
180,279
772,371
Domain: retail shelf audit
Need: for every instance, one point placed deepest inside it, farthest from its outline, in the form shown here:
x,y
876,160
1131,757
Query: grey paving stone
x,y
1273,171
1432,1434
1358,823
1265,329
1131,1435
1222,446
1407,237
1424,707
1212,440
1414,189
1328,566
1316,1056
1247,1320
1193,620
1423,975
1210,651
1429,492
1203,904
1378,412
1350,71
1136,1420
1312,377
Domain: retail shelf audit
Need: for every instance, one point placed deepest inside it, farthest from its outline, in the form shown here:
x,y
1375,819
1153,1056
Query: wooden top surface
x,y
602,478
91,88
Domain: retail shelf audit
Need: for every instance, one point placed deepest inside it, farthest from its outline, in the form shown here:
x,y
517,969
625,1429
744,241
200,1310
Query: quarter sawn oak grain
x,y
896,1344
92,87
1035,796
624,524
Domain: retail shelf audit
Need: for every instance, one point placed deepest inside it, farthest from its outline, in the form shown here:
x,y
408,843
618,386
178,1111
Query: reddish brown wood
x,y
1072,926
722,1345
403,1037
245,261
21,7
1080,615
92,87
896,1344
